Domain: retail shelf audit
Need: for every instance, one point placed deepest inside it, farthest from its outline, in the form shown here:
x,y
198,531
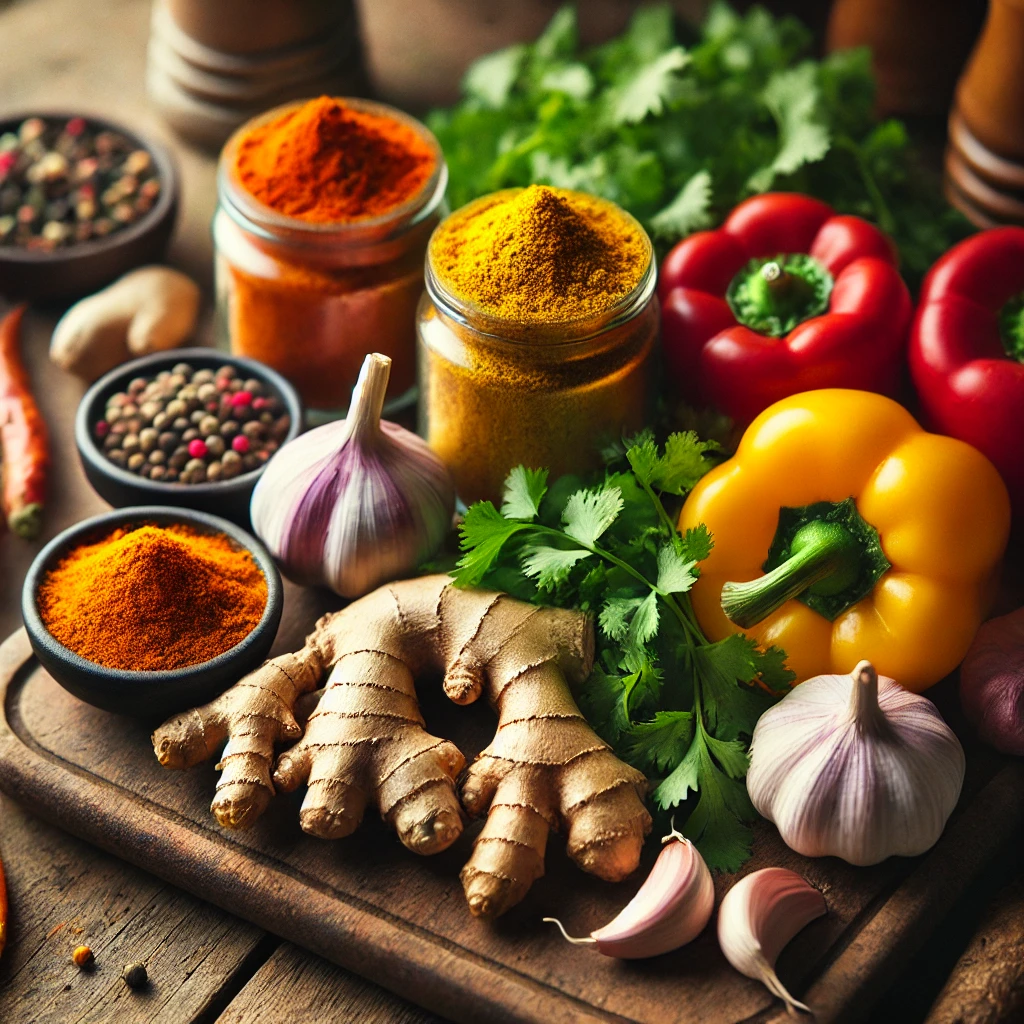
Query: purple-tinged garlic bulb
x,y
992,683
855,767
357,502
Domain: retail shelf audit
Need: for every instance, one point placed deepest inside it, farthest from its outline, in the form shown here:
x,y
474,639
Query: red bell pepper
x,y
787,296
967,349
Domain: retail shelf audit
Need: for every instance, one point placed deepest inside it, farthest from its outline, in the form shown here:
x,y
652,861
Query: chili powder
x,y
153,598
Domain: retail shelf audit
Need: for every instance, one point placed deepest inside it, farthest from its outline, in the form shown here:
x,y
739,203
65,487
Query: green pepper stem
x,y
822,553
1011,328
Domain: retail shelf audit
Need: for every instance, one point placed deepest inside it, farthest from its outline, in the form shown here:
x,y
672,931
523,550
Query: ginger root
x,y
366,741
147,310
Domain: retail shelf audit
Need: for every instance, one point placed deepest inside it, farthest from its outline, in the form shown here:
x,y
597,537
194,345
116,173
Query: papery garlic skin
x,y
758,917
670,909
354,503
855,767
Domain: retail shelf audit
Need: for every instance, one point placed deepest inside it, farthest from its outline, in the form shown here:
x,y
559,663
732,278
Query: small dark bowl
x,y
149,695
77,270
227,498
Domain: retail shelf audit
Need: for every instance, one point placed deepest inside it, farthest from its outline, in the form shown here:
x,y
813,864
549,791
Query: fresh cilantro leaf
x,y
649,88
685,461
792,97
574,80
675,573
659,744
524,491
683,779
642,456
588,514
772,670
559,39
482,535
697,543
599,699
644,623
651,31
616,615
549,565
490,79
716,824
733,707
730,754
689,211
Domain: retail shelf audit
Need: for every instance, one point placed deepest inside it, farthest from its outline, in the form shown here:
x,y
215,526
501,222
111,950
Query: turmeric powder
x,y
541,255
153,598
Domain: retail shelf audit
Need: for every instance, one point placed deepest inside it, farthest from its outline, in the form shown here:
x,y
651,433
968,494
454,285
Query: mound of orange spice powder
x,y
153,598
327,162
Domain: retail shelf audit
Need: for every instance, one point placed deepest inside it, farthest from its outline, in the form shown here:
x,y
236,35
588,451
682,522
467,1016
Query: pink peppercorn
x,y
75,126
240,398
259,404
6,162
197,448
240,443
102,428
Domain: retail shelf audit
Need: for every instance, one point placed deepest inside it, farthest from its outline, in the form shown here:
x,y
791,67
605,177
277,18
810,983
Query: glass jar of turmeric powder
x,y
537,335
325,210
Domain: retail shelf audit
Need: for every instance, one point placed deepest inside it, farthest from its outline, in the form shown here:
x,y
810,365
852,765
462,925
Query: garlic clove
x,y
759,915
855,767
669,910
354,503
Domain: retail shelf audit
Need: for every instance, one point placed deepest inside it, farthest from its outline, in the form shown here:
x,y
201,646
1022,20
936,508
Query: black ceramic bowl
x,y
151,695
227,498
75,270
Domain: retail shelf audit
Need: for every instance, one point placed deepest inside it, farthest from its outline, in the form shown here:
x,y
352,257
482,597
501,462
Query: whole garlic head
x,y
357,502
855,767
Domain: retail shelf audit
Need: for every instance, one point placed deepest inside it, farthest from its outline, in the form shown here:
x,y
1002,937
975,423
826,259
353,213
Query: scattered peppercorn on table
x,y
205,964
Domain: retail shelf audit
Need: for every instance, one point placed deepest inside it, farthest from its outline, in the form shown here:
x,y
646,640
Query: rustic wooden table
x,y
208,965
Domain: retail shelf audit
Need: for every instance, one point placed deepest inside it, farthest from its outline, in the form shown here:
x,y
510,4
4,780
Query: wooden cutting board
x,y
375,908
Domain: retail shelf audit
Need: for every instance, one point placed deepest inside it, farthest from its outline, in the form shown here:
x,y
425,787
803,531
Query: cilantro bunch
x,y
673,704
679,134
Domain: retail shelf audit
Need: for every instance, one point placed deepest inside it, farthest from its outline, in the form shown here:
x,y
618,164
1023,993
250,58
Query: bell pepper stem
x,y
822,554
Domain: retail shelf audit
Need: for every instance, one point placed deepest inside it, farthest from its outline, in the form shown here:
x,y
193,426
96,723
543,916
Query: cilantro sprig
x,y
678,127
675,705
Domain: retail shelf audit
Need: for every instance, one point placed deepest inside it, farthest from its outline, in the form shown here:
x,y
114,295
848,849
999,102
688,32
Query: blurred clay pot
x,y
917,48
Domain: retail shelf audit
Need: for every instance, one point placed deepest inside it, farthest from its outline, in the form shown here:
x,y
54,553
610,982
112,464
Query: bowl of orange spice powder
x,y
146,611
325,210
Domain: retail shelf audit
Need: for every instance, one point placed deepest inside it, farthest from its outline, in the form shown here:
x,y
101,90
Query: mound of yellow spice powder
x,y
153,598
541,255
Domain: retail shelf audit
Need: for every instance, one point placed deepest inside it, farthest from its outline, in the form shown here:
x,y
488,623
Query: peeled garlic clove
x,y
758,917
355,503
670,909
855,767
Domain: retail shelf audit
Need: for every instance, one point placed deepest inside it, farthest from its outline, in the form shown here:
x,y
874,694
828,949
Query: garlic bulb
x,y
669,910
856,767
992,683
758,917
355,503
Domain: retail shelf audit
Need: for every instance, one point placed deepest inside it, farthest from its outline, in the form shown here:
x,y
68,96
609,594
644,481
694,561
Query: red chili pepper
x,y
786,296
967,349
23,436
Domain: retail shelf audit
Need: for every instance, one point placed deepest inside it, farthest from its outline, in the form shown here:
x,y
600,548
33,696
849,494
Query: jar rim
x,y
555,332
272,225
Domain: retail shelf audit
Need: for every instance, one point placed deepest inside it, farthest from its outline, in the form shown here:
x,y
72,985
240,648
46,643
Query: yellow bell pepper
x,y
900,575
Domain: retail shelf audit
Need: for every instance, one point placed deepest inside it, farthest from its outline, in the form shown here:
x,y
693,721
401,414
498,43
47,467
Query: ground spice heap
x,y
153,598
542,255
326,162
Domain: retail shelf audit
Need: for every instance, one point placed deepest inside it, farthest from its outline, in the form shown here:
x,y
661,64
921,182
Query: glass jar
x,y
311,300
495,393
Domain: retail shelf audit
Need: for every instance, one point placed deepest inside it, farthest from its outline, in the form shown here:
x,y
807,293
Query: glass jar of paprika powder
x,y
548,389
319,251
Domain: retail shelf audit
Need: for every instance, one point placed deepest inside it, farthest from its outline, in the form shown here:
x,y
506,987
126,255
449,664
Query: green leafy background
x,y
679,130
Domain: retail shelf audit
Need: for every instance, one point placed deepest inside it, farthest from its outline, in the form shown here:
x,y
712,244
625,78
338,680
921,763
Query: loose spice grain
x,y
153,598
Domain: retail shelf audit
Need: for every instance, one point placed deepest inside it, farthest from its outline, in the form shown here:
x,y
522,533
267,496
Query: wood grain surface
x,y
375,908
